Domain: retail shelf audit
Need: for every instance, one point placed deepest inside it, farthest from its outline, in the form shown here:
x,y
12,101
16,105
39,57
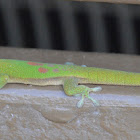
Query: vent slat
x,y
98,34
41,27
126,29
13,32
70,35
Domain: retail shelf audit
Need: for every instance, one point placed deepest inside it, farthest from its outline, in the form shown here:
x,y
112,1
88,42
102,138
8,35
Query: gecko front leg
x,y
3,80
71,88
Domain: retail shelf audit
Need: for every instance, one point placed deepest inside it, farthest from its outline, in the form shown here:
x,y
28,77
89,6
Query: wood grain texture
x,y
33,112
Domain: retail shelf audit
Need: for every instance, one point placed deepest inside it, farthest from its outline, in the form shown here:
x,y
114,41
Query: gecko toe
x,y
81,102
94,101
95,89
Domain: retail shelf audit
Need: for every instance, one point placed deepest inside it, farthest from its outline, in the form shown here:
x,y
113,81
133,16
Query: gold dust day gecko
x,y
42,74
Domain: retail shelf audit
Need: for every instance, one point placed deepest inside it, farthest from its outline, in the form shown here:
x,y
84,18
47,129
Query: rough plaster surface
x,y
32,112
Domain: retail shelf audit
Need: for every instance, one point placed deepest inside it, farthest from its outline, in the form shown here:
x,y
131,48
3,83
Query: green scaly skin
x,y
42,74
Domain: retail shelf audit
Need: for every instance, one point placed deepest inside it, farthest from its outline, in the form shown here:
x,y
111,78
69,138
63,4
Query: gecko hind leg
x,y
72,88
3,80
69,63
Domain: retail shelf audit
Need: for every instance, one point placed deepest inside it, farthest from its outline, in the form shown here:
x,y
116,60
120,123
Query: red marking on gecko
x,y
35,64
42,70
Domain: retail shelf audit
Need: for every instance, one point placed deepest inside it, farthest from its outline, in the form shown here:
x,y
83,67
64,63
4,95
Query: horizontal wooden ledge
x,y
115,1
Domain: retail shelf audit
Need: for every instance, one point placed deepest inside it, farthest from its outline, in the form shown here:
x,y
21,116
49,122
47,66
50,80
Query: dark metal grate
x,y
70,25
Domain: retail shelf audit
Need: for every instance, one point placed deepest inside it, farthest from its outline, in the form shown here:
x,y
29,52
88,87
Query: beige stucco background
x,y
46,113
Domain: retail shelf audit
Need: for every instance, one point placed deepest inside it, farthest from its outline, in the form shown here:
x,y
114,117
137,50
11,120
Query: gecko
x,y
72,77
